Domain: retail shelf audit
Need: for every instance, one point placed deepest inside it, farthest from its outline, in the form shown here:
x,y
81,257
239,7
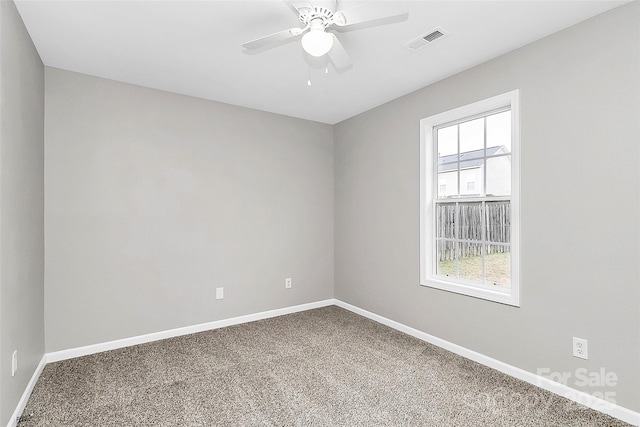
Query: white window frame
x,y
428,192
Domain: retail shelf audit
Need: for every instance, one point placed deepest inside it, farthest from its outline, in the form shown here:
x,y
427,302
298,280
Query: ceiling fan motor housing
x,y
308,14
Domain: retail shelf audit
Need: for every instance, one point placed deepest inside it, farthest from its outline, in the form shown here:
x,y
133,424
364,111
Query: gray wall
x,y
155,199
21,207
580,103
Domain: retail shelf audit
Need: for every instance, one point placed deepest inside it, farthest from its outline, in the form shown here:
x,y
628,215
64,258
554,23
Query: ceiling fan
x,y
316,20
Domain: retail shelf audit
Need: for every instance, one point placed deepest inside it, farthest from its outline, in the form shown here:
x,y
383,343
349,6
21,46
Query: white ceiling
x,y
194,47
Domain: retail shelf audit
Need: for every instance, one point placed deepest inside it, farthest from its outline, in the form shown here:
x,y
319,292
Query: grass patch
x,y
497,268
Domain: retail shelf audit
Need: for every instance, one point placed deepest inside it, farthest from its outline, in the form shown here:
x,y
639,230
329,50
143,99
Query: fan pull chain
x,y
309,82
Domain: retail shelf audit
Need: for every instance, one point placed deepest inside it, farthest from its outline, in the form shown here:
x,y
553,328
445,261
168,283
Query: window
x,y
469,224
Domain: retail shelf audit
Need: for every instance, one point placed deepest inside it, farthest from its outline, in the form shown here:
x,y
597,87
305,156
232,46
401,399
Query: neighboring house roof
x,y
468,159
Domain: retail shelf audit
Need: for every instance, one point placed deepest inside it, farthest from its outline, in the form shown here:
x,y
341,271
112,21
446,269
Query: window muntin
x,y
469,201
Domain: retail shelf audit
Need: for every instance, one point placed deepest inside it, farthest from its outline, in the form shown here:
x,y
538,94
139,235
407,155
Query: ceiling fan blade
x,y
339,55
367,12
273,38
296,5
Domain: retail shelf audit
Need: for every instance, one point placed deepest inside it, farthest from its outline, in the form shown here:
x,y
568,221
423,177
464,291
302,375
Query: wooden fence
x,y
497,217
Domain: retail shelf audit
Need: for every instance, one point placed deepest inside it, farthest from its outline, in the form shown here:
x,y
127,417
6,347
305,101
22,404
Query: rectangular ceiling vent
x,y
426,39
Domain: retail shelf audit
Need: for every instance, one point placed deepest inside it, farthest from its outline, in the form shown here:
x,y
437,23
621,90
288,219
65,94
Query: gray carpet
x,y
323,367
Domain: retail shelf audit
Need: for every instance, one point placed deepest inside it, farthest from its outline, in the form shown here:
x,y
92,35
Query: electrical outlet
x,y
287,283
14,363
219,293
580,348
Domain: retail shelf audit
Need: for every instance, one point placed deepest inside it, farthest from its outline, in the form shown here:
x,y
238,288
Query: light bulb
x,y
317,42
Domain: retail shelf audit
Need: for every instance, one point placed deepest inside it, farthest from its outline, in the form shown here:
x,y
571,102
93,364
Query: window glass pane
x,y
472,135
446,258
445,220
498,176
470,261
498,265
448,182
447,143
499,130
470,221
498,222
470,180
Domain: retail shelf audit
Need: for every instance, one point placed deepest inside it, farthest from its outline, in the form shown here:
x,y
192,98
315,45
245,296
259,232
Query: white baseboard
x,y
13,421
156,336
563,390
583,398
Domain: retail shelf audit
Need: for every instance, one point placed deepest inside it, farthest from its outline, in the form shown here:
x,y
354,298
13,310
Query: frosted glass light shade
x,y
317,42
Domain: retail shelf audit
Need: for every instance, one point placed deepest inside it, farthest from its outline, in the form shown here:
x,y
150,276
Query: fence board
x,y
497,220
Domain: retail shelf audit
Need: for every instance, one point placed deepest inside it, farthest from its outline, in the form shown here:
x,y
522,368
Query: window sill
x,y
500,296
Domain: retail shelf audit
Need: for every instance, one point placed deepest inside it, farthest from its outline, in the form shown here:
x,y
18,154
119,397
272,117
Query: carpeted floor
x,y
323,367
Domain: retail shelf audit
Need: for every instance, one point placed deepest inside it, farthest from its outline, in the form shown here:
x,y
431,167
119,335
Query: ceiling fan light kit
x,y
317,42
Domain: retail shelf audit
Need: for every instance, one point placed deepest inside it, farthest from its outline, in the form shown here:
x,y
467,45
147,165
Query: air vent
x,y
426,39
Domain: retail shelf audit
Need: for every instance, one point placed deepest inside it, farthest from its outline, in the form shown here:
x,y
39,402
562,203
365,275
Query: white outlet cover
x,y
287,282
580,348
219,293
